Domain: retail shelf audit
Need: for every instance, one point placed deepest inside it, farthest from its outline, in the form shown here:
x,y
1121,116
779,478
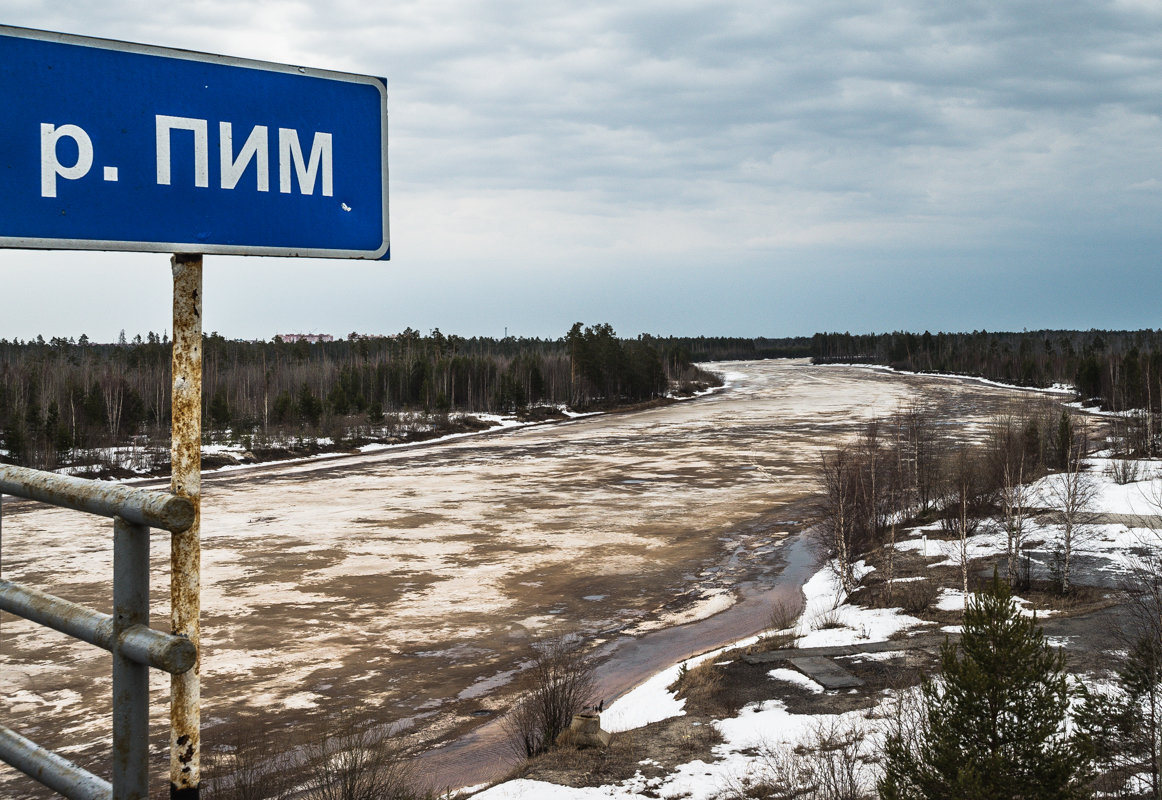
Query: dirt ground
x,y
408,583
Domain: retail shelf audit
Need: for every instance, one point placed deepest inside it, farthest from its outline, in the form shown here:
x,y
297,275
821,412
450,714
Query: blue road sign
x,y
114,146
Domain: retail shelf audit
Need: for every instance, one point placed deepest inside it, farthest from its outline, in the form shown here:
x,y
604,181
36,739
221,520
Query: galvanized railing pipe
x,y
126,633
164,651
55,772
130,679
155,509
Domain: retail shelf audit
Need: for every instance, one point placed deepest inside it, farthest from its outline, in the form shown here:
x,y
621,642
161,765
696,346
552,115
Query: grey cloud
x,y
758,134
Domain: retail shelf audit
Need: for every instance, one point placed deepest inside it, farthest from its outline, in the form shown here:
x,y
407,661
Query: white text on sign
x,y
171,132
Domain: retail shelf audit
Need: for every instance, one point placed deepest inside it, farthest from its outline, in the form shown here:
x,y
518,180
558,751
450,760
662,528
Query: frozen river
x,y
410,582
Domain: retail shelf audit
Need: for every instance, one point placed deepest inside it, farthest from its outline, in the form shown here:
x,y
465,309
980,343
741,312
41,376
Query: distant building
x,y
312,338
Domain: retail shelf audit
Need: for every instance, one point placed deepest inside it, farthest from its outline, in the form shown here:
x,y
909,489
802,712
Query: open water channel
x,y
409,583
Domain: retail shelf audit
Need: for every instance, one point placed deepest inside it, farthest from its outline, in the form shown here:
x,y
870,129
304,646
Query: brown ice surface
x,y
408,583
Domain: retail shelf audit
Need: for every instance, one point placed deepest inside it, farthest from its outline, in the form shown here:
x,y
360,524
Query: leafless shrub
x,y
356,761
839,761
782,628
695,739
1125,470
781,774
827,619
347,760
560,683
918,596
834,763
783,616
778,640
906,718
246,761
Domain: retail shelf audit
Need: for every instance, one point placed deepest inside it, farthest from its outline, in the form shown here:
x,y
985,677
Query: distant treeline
x,y
727,348
1120,369
61,395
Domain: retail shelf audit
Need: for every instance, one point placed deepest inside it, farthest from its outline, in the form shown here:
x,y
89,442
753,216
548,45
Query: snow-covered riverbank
x,y
748,739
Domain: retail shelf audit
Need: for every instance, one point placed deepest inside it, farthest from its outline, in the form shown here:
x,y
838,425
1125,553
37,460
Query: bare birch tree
x,y
837,523
1072,492
965,494
921,459
1013,493
899,493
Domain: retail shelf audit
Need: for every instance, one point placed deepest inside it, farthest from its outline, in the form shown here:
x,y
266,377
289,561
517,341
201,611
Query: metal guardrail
x,y
125,633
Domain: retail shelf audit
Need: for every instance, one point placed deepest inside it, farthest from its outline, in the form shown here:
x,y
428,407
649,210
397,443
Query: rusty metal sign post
x,y
186,548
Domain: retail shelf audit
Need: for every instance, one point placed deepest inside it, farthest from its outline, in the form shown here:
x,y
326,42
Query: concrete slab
x,y
825,672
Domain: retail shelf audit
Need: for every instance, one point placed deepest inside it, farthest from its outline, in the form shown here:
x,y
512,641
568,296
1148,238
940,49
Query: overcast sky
x,y
733,167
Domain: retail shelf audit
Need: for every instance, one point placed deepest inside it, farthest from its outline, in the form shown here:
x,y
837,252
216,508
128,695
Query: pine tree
x,y
1124,723
220,409
15,442
993,724
310,407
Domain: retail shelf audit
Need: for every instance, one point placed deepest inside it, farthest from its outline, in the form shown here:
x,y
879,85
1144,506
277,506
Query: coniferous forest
x,y
61,401
1120,370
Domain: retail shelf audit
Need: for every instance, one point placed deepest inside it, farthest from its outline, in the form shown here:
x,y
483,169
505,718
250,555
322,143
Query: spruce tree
x,y
993,723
